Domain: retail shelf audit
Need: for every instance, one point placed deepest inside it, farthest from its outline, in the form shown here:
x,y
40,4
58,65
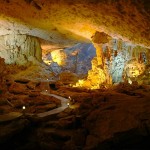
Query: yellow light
x,y
59,57
47,62
23,107
68,104
129,81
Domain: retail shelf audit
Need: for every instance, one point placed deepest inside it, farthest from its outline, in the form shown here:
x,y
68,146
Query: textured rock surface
x,y
3,73
76,59
77,20
19,49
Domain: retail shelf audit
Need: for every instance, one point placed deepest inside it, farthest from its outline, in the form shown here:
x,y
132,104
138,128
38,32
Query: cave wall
x,y
20,49
3,73
78,20
116,61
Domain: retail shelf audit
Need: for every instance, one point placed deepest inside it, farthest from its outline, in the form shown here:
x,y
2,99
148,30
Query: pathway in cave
x,y
57,110
14,115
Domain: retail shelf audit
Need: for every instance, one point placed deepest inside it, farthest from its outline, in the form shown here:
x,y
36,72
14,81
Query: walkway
x,y
57,110
14,115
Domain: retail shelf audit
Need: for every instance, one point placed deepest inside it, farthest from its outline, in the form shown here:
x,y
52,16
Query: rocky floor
x,y
26,93
115,119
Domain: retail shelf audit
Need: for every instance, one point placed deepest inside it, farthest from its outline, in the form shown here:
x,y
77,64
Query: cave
x,y
75,75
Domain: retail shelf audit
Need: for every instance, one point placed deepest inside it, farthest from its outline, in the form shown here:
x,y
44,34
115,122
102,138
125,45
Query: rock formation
x,y
98,75
20,49
66,22
76,59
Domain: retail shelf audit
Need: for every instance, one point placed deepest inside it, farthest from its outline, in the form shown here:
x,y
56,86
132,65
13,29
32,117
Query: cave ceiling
x,y
66,22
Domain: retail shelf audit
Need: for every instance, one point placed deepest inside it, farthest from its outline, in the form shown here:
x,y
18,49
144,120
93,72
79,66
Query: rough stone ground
x,y
115,119
24,92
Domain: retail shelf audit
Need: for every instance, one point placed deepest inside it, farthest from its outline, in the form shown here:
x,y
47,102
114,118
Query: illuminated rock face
x,y
117,61
79,19
76,59
120,55
133,69
19,49
99,73
59,57
96,76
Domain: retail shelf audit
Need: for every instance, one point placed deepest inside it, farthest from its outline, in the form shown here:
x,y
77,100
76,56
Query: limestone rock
x,y
121,19
17,48
100,38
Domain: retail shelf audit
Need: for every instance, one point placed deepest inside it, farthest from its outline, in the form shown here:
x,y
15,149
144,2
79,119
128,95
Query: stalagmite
x,y
98,40
99,73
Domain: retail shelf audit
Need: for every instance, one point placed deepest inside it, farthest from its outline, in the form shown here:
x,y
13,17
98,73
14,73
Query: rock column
x,y
99,74
98,40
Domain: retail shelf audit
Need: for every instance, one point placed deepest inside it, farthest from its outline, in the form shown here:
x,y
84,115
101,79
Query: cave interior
x,y
75,75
